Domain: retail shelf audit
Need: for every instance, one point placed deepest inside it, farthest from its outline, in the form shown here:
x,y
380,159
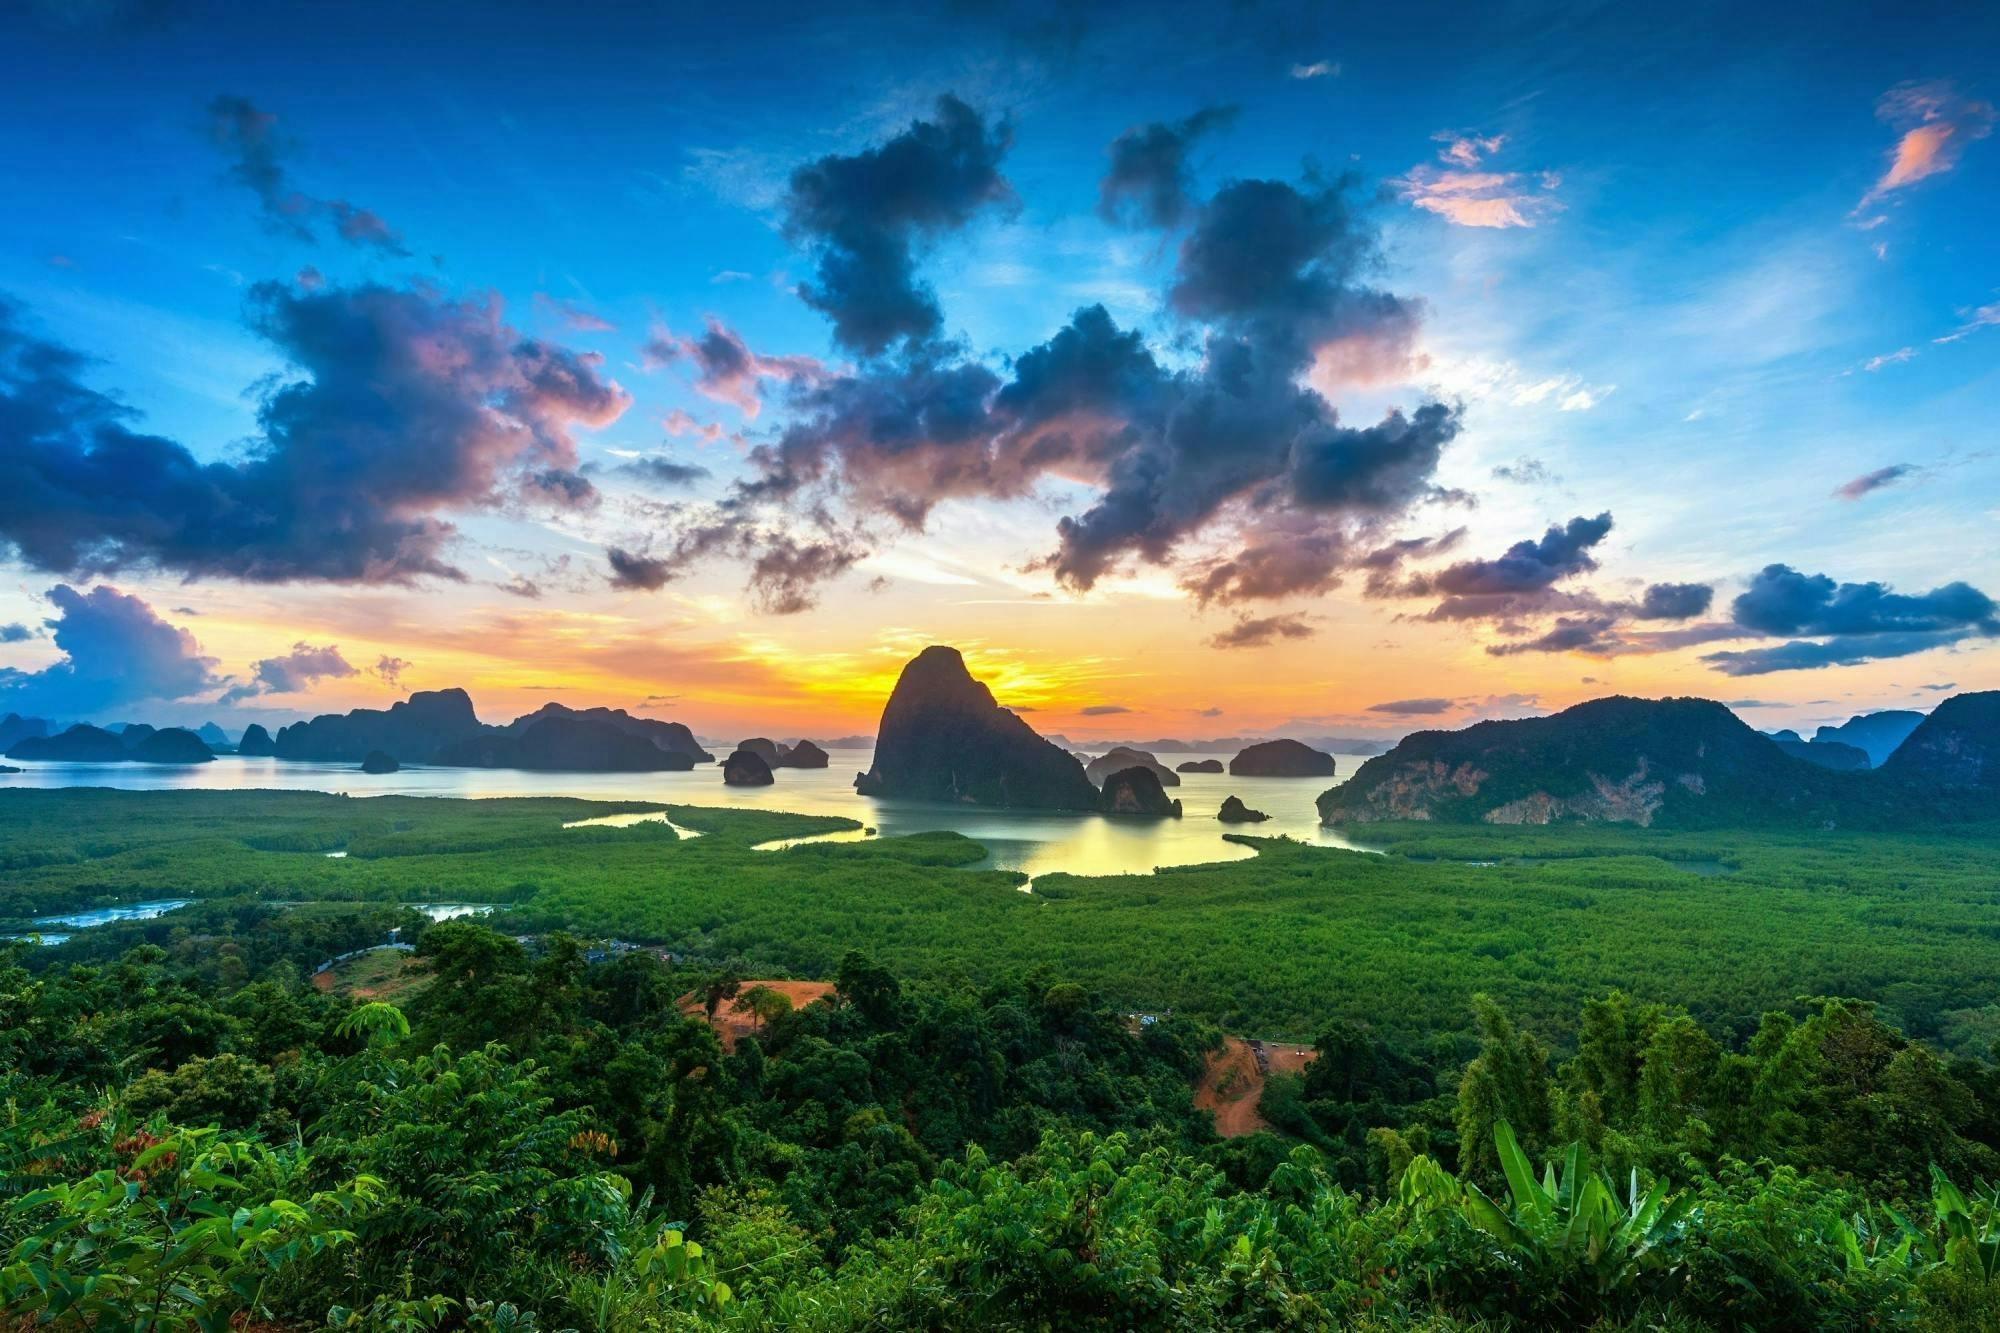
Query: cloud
x,y
1808,655
1149,176
1873,481
1318,69
1781,601
390,669
15,633
249,137
399,406
1674,601
1527,567
864,216
1982,317
726,370
1527,471
1255,632
1936,123
660,471
1414,707
1232,451
1895,358
299,670
1102,710
632,570
116,651
1462,193
1855,622
573,314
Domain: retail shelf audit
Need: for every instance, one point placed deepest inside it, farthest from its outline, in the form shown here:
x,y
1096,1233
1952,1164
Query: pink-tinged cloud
x,y
1482,198
1467,150
726,369
680,423
1869,482
572,314
1936,123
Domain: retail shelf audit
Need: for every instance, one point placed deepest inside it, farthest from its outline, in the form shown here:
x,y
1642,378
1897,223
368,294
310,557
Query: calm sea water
x,y
1033,843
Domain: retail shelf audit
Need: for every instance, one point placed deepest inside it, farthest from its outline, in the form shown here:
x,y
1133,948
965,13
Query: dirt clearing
x,y
732,1023
1234,1080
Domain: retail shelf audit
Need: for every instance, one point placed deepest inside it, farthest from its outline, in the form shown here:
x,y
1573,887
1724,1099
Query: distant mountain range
x,y
136,743
1674,763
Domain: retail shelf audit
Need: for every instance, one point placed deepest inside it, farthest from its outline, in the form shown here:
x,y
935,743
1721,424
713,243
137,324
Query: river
x,y
1030,842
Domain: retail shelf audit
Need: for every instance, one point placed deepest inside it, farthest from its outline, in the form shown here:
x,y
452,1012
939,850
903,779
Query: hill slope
x,y
1668,762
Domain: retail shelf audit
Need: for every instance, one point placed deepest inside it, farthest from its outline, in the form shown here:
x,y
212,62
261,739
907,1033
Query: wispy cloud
x,y
1873,481
1982,317
1461,192
1937,124
1318,69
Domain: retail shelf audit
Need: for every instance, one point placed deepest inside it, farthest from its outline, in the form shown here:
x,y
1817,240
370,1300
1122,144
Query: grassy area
x,y
1730,924
384,974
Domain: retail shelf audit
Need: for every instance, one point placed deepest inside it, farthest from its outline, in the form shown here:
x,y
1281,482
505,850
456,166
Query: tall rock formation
x,y
1955,749
412,730
1137,791
943,738
673,737
256,743
1102,767
1281,759
746,768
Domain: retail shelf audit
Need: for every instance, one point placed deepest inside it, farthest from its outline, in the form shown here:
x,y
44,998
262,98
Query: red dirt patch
x,y
732,1023
1233,1081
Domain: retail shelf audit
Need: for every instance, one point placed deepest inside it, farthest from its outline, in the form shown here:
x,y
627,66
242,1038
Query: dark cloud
x,y
1256,631
1102,710
785,572
1591,635
1414,707
1527,567
1526,471
249,137
1809,655
1782,601
390,669
1149,176
863,217
629,569
1674,601
1873,481
659,471
116,651
300,669
401,405
15,633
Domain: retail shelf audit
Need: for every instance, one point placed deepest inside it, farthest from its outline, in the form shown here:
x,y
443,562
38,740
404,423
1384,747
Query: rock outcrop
x,y
1281,759
379,761
256,743
1955,749
175,745
943,738
1102,767
1836,755
214,737
673,737
1137,791
563,742
764,748
1200,766
1233,811
1670,762
803,755
81,744
412,730
1877,734
746,768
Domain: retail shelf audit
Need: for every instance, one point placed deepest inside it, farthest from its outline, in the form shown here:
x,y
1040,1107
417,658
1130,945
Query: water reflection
x,y
105,915
1034,843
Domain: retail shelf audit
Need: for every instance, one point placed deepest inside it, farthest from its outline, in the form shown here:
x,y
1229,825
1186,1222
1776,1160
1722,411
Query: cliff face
x,y
1137,791
1674,762
412,731
1281,759
1956,748
943,738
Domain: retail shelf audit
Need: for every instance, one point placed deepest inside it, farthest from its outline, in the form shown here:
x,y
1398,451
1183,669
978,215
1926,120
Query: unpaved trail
x,y
1232,1082
732,1023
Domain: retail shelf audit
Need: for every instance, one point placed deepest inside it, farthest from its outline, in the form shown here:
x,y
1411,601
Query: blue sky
x,y
1718,300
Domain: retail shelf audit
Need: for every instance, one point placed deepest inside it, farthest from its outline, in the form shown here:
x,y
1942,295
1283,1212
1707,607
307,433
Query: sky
x,y
1198,370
